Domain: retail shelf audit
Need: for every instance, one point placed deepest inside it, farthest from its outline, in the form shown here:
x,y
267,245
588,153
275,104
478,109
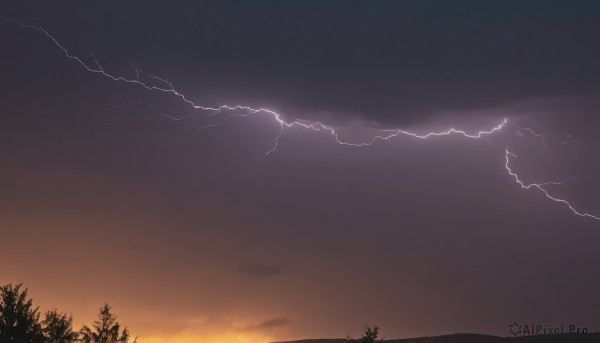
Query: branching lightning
x,y
542,136
540,187
159,84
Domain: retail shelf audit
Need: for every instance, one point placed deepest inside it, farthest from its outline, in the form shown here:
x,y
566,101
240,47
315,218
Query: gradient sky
x,y
420,237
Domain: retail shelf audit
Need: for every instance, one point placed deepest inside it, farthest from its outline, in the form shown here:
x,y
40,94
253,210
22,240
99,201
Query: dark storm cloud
x,y
424,237
270,324
391,62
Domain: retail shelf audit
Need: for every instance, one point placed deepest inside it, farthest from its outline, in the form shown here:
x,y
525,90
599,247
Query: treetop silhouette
x,y
20,323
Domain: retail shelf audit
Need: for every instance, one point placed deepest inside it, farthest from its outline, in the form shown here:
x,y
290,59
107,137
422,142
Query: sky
x,y
202,225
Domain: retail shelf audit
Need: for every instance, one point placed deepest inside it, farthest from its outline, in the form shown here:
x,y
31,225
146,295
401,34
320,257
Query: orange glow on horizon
x,y
217,338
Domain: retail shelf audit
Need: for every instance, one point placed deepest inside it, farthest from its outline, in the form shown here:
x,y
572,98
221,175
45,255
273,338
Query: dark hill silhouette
x,y
476,338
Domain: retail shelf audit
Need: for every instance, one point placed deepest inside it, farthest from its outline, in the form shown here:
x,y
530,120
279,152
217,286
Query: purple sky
x,y
420,237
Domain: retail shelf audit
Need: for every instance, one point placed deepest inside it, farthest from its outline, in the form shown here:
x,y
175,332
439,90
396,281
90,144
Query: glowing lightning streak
x,y
316,126
542,136
540,186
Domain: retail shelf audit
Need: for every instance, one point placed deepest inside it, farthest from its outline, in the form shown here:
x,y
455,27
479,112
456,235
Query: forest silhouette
x,y
20,322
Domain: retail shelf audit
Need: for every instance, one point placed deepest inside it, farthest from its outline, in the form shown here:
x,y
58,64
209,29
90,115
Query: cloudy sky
x,y
110,192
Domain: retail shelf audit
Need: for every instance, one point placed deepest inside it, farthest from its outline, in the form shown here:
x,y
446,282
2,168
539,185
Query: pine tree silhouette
x,y
19,320
106,329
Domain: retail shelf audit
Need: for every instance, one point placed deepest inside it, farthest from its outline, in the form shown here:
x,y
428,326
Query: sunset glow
x,y
266,171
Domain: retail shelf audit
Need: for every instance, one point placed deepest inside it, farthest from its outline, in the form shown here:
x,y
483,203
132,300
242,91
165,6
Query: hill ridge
x,y
474,338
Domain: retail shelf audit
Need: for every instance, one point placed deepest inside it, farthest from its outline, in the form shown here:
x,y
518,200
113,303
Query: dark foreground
x,y
474,338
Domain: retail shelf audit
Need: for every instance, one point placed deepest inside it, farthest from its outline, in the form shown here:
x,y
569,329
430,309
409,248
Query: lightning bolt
x,y
239,111
540,187
542,136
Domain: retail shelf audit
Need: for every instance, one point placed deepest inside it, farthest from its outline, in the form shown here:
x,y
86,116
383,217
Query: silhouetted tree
x,y
106,329
58,328
19,320
369,335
